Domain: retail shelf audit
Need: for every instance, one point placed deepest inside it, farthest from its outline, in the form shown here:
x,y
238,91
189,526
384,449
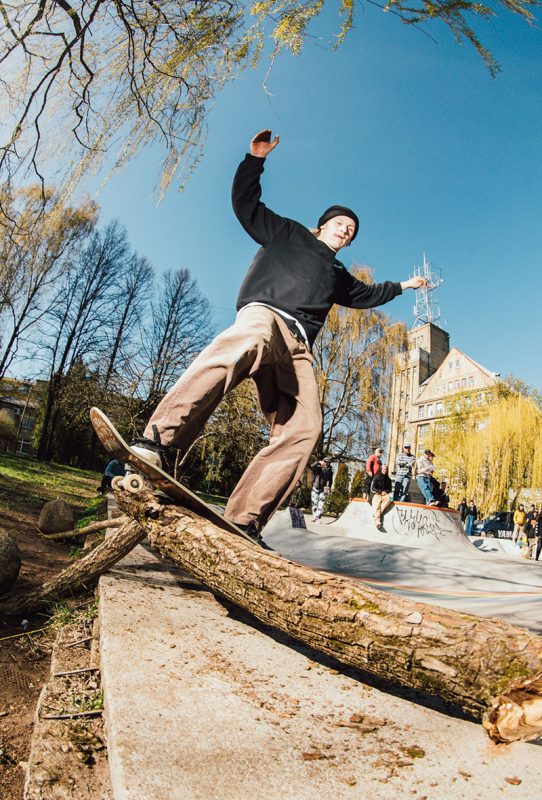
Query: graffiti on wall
x,y
422,523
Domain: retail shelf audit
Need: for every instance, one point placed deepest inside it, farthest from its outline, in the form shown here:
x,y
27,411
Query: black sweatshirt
x,y
294,271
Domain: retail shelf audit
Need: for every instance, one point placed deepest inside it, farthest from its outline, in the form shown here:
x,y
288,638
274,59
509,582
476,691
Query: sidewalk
x,y
201,702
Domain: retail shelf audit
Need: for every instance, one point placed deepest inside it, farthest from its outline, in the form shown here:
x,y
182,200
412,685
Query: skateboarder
x,y
293,281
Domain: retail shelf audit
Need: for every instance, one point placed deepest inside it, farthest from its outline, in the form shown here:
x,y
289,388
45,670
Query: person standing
x,y
380,491
462,508
424,473
403,474
444,496
519,522
471,517
321,486
538,529
294,280
372,466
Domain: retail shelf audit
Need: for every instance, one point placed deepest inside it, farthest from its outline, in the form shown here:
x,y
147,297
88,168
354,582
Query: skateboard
x,y
134,481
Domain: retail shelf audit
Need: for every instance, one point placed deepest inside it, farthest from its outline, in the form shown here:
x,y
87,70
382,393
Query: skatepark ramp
x,y
407,525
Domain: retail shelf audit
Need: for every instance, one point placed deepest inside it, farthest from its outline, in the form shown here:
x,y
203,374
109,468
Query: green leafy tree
x,y
235,433
357,487
8,430
338,498
89,77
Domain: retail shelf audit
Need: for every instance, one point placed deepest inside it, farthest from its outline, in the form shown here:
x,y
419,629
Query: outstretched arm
x,y
259,221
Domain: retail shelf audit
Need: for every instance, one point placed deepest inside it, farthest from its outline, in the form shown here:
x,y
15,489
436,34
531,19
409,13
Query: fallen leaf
x,y
514,781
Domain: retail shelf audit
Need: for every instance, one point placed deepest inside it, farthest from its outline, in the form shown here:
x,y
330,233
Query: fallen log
x,y
79,575
488,668
92,527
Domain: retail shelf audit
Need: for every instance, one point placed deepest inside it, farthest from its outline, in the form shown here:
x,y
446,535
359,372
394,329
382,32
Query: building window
x,y
457,364
451,386
438,409
450,364
448,407
457,384
430,410
471,380
421,412
463,382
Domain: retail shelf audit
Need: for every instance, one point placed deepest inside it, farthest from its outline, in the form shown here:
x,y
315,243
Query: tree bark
x,y
488,668
81,573
99,525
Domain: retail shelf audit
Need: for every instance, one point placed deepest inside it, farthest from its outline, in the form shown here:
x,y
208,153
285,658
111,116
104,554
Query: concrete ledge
x,y
201,704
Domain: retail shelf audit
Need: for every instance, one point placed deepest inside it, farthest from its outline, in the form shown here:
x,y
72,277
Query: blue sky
x,y
433,154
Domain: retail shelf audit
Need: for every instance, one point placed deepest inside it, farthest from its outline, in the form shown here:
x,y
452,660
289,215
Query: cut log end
x,y
516,715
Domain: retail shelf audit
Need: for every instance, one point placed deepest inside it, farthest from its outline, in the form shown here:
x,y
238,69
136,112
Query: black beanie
x,y
339,211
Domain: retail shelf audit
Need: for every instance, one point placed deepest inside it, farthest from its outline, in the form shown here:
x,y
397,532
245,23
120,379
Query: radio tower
x,y
426,308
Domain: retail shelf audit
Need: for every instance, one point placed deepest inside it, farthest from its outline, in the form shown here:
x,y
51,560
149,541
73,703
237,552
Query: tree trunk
x,y
486,667
81,573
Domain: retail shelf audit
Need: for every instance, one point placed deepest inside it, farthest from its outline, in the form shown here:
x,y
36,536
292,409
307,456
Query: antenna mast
x,y
426,308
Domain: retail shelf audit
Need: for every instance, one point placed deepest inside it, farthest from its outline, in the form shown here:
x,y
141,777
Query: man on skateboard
x,y
293,281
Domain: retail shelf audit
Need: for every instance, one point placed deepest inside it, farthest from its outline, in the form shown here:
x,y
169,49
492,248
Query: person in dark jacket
x,y
380,491
538,529
113,469
471,517
462,508
321,486
290,287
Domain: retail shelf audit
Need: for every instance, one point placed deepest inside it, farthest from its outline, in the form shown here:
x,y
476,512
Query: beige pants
x,y
380,502
259,345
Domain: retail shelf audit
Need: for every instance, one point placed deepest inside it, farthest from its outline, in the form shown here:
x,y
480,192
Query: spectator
x,y
112,469
530,520
321,486
470,519
538,529
445,497
380,490
372,466
295,508
424,473
462,508
403,474
519,522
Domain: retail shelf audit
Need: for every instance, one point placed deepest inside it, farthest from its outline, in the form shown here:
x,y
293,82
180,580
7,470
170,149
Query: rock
x,y
10,562
56,516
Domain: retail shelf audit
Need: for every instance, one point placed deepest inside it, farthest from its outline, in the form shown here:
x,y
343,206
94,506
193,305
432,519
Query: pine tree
x,y
338,498
358,484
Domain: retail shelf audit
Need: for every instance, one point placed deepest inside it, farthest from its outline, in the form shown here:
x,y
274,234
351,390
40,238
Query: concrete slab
x,y
202,704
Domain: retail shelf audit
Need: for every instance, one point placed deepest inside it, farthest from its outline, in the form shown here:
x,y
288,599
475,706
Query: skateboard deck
x,y
117,446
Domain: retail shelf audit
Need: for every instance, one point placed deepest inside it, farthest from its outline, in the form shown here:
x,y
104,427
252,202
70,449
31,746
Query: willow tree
x,y
86,78
489,449
354,358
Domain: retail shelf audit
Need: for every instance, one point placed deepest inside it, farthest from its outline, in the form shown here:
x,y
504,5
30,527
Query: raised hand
x,y
261,145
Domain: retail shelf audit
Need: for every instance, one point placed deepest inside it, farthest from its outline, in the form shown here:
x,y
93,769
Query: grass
x,y
26,484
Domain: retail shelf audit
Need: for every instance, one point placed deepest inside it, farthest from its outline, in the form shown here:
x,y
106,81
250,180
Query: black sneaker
x,y
251,530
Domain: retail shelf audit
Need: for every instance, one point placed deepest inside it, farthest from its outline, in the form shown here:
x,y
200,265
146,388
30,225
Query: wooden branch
x,y
486,667
79,575
99,525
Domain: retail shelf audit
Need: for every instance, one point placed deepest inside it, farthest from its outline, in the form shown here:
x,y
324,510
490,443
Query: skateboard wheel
x,y
116,483
133,483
